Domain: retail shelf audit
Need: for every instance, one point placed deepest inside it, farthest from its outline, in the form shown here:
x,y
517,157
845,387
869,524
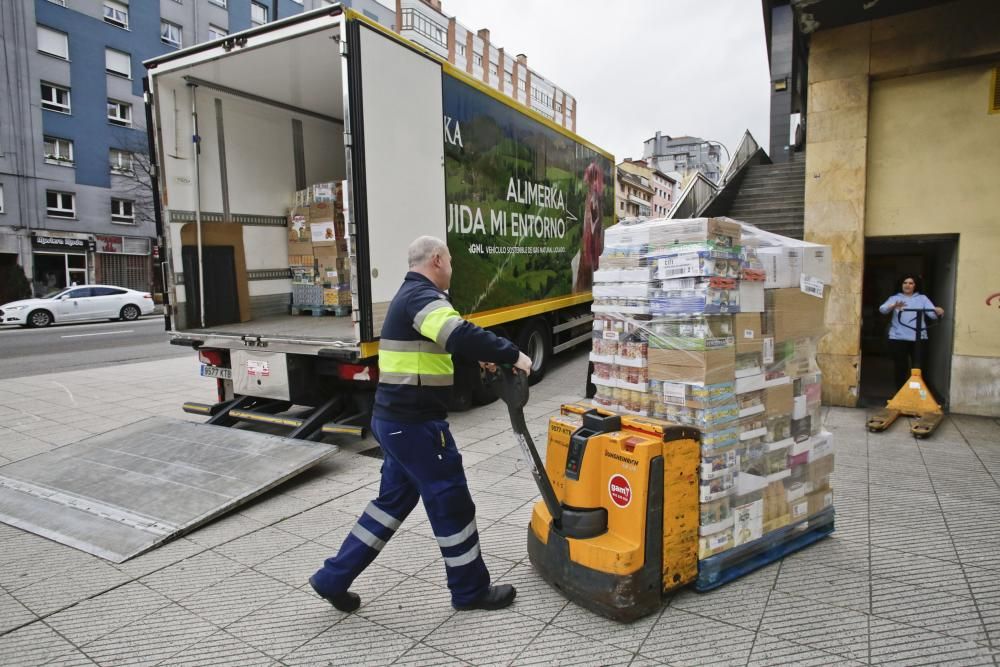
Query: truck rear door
x,y
397,160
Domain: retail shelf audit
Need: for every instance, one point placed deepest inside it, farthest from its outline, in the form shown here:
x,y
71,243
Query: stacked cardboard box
x,y
713,324
317,246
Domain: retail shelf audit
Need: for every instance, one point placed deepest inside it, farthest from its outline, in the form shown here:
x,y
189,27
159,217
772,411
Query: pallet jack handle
x,y
511,386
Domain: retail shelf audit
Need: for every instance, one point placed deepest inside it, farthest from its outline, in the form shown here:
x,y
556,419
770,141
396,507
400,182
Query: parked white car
x,y
77,303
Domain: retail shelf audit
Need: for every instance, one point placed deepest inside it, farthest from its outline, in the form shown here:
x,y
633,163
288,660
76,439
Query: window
x,y
1,197
53,42
215,32
116,13
477,60
221,3
106,291
58,151
508,77
121,212
170,33
460,50
80,293
259,14
60,204
414,20
118,63
121,161
55,98
120,113
61,3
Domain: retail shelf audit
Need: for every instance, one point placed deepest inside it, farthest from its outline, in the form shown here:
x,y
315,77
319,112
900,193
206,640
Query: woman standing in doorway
x,y
904,348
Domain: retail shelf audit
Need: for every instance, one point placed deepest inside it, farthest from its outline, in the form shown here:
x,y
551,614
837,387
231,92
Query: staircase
x,y
772,197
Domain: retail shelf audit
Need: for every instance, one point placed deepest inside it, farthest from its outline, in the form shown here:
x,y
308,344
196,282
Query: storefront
x,y
124,261
61,261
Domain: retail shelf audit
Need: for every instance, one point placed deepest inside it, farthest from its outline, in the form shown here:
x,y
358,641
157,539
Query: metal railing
x,y
700,191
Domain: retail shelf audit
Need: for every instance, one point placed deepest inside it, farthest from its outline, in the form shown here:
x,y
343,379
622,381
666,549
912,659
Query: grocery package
x,y
318,256
713,324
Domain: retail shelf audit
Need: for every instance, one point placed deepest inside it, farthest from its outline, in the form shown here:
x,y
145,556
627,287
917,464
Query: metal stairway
x,y
772,197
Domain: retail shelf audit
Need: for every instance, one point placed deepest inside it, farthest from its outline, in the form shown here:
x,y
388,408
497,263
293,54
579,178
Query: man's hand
x,y
523,363
487,366
939,310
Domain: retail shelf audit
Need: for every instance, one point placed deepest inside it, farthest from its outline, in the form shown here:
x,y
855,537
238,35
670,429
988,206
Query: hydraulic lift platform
x,y
121,493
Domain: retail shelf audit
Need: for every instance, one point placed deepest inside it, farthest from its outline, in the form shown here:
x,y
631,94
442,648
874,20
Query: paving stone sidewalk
x,y
911,576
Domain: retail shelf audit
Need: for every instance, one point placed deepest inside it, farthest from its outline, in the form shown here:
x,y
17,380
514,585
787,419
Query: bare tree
x,y
134,179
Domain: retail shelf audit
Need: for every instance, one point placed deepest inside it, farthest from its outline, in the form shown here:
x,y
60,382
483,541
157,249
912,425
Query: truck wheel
x,y
535,340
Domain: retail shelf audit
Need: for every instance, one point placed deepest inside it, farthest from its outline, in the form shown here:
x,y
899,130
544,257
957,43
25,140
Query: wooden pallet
x,y
319,311
729,565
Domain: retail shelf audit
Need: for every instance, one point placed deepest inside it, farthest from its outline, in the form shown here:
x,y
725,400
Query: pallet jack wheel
x,y
882,420
926,424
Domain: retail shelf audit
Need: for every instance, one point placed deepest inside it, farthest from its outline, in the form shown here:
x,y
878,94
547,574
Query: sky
x,y
683,67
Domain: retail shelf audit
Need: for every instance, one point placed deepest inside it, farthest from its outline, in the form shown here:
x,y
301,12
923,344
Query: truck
x,y
303,157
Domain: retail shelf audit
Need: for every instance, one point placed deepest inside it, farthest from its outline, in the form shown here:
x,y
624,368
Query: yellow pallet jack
x,y
913,399
617,526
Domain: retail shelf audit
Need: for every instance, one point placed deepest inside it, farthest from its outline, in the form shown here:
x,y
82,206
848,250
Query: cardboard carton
x,y
298,227
748,332
779,400
751,295
783,266
709,366
300,248
819,500
791,313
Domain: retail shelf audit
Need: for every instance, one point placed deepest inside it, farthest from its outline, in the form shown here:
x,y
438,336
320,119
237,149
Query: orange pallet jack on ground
x,y
913,399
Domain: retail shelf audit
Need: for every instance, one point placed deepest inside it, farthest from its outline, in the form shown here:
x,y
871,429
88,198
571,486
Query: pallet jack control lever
x,y
511,387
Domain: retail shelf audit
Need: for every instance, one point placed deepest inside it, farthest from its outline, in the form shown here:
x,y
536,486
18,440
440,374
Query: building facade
x,y
76,203
633,191
681,157
423,22
937,66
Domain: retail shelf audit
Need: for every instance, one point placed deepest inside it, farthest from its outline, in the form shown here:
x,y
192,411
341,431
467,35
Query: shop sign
x,y
109,244
62,243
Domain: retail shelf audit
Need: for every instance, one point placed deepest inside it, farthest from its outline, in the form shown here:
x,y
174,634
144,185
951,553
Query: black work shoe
x,y
346,601
497,597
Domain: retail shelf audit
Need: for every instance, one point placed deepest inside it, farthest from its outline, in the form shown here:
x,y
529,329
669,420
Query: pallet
x,y
319,311
734,563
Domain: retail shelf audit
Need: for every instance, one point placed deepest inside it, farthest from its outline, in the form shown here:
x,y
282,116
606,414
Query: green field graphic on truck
x,y
526,205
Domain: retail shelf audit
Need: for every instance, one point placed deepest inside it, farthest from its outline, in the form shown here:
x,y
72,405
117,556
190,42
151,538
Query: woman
x,y
903,330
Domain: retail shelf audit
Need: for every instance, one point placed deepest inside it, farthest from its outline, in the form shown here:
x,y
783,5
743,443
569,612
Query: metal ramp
x,y
119,494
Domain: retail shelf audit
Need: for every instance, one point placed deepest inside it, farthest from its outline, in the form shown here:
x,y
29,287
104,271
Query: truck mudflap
x,y
122,493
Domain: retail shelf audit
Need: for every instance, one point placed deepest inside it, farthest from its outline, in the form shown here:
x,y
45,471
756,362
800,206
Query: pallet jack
x,y
913,399
617,526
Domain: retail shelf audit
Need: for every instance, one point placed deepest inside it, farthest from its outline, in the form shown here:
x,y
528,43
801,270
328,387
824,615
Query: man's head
x,y
429,257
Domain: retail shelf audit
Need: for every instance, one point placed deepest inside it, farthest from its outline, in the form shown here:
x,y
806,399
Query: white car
x,y
77,303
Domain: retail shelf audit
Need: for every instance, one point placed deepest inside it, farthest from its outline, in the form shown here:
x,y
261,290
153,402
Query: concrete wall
x,y
897,145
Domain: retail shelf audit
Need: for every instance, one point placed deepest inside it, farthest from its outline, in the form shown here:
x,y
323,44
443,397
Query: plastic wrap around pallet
x,y
714,324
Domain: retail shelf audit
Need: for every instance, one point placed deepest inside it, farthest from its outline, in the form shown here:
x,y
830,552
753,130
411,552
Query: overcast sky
x,y
684,67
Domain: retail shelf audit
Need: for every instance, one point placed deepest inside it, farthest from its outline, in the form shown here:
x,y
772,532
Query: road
x,y
68,347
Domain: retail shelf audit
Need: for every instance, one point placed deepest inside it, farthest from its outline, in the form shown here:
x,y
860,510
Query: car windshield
x,y
53,295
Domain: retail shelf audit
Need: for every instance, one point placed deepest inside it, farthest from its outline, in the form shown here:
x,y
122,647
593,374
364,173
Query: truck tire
x,y
535,340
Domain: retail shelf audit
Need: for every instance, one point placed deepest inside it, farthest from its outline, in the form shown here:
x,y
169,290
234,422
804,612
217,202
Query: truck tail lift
x,y
913,399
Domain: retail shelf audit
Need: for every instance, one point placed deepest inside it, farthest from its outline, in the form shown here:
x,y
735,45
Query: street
x,y
26,352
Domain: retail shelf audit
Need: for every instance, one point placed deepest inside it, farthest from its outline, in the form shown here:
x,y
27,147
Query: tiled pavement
x,y
911,576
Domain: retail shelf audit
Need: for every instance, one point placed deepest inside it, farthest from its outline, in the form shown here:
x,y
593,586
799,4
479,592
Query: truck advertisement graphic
x,y
526,205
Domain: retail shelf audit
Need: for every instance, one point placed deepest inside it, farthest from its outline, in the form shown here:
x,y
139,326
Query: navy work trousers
x,y
420,461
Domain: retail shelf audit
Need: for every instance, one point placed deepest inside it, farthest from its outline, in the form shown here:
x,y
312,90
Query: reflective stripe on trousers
x,y
421,461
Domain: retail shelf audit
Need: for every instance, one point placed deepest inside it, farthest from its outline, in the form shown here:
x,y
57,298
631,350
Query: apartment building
x,y
682,157
633,192
424,22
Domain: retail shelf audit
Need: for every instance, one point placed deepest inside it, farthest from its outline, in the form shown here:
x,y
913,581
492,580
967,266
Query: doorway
x,y
54,271
886,260
222,300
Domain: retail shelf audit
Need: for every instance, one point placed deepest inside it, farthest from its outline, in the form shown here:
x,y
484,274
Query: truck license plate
x,y
216,372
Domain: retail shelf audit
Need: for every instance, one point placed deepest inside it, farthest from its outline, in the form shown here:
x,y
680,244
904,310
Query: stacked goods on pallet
x,y
713,324
317,249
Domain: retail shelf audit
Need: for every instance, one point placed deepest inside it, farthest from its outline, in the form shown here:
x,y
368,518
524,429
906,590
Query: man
x,y
420,334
